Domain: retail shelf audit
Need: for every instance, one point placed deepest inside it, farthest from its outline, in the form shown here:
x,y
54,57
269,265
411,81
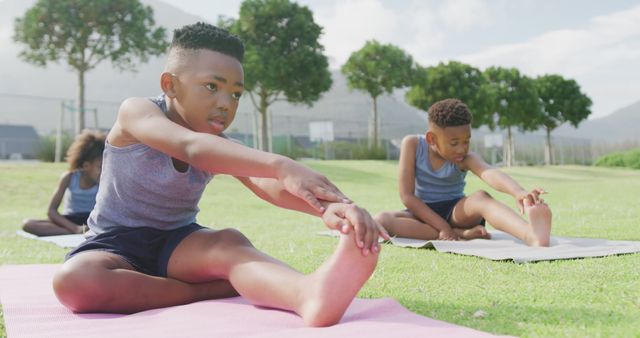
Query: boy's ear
x,y
167,85
431,138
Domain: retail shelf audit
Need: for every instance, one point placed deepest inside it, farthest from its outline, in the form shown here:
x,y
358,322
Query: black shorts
x,y
78,218
148,250
444,209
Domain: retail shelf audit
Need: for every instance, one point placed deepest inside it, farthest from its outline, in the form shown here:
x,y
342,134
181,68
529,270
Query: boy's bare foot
x,y
477,231
332,287
540,223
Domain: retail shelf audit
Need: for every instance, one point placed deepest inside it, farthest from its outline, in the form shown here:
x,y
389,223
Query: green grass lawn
x,y
571,298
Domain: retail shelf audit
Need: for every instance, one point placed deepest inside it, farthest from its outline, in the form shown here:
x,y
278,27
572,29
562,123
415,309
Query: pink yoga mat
x,y
31,310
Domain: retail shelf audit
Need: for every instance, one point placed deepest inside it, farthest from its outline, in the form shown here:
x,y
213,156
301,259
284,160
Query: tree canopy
x,y
513,100
451,80
284,59
85,33
376,69
561,101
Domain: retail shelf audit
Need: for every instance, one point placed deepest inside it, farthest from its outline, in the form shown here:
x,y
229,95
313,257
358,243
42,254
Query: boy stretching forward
x,y
148,252
432,179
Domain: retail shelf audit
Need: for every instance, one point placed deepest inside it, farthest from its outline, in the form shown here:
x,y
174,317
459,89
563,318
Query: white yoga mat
x,y
65,241
503,246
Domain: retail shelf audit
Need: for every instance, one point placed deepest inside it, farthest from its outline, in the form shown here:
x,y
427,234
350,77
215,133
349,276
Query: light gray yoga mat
x,y
503,246
65,241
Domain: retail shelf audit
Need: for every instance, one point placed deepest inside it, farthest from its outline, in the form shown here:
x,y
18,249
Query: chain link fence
x,y
290,134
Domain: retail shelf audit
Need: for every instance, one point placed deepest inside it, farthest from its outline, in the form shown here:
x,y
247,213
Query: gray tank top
x,y
78,200
444,184
139,187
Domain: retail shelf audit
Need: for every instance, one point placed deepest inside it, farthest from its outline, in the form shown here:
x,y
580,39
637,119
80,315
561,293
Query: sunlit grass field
x,y
572,298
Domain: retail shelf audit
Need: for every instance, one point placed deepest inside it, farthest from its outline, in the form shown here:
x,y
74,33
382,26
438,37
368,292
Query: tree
x,y
561,101
376,69
451,80
84,33
514,101
284,60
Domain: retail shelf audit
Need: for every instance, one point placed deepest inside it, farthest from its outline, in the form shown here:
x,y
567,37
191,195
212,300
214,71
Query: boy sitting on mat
x,y
148,252
432,174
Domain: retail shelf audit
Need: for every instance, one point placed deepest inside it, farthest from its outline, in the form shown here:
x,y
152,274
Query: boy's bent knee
x,y
232,237
481,195
383,217
78,290
83,288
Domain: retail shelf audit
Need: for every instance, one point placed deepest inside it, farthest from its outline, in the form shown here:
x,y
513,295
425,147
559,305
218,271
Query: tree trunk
x,y
79,125
373,123
255,127
510,151
548,156
264,131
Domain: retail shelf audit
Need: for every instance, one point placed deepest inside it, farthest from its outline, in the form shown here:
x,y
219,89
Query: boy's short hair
x,y
449,113
206,36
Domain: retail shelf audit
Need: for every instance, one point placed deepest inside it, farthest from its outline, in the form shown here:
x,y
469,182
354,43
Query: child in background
x,y
432,172
149,252
80,184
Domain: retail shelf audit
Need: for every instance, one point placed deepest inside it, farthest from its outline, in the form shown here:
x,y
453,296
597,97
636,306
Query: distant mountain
x,y
621,125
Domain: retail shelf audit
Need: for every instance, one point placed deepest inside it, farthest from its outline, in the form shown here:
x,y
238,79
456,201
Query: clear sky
x,y
595,42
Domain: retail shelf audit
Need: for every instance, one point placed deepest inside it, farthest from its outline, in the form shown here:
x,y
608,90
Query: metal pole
x,y
58,153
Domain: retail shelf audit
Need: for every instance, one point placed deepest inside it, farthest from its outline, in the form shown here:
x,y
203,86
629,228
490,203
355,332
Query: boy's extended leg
x,y
480,204
320,298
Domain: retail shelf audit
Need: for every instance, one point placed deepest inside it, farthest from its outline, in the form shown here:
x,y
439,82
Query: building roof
x,y
18,132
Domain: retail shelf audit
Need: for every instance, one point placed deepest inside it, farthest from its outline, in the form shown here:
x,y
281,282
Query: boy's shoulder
x,y
411,139
135,108
409,146
410,143
133,112
134,104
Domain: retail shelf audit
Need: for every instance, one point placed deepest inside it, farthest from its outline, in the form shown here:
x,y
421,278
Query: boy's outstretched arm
x,y
141,121
339,216
406,181
501,181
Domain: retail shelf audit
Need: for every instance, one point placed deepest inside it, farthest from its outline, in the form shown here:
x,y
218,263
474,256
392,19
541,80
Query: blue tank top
x,y
78,200
139,187
444,184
